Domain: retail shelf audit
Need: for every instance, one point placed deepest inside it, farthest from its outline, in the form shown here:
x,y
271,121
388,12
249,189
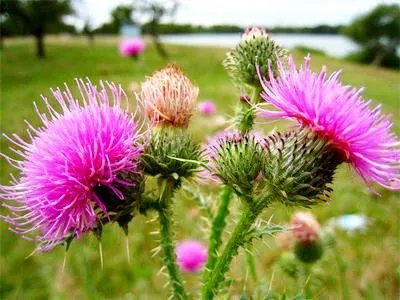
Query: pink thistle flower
x,y
131,47
191,255
83,147
207,108
169,97
305,227
338,114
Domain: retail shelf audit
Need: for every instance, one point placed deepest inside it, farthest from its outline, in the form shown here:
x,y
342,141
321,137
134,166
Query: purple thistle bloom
x,y
191,255
131,47
73,152
338,114
207,108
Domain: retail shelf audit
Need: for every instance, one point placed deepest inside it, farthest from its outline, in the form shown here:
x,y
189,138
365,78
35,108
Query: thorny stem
x,y
238,238
168,187
218,226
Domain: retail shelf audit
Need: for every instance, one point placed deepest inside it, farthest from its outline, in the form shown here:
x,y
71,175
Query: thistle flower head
x,y
305,227
131,47
169,97
299,167
337,113
207,108
191,255
255,48
235,159
171,152
89,146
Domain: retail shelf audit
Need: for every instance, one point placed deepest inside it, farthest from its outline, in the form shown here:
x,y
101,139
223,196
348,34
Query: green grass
x,y
371,258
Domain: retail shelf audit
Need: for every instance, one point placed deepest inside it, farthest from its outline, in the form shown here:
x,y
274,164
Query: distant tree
x,y
155,11
88,32
122,14
378,33
36,17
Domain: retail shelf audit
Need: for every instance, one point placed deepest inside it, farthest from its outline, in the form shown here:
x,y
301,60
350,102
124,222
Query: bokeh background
x,y
48,43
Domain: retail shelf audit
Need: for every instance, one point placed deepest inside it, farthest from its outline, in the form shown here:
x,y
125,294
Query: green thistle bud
x,y
255,48
165,145
309,252
299,167
236,159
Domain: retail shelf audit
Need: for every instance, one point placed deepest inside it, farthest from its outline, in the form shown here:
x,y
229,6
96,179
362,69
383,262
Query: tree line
x,y
377,32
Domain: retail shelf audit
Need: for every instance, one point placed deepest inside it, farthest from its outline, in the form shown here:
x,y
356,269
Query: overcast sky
x,y
267,13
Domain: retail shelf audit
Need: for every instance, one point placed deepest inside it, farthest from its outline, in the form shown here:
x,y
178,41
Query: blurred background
x,y
47,43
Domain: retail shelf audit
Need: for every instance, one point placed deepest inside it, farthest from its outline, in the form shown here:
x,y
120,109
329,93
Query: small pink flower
x,y
305,227
207,108
191,255
131,47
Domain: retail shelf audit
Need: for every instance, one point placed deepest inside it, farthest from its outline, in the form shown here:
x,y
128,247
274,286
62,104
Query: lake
x,y
334,45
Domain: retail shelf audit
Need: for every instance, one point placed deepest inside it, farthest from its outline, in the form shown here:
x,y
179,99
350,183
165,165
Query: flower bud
x,y
309,252
255,48
236,159
169,97
299,167
164,146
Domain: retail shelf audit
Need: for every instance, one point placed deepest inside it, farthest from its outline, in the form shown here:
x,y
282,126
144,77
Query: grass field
x,y
372,261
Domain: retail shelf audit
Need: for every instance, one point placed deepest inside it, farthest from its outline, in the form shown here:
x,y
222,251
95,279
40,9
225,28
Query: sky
x,y
266,13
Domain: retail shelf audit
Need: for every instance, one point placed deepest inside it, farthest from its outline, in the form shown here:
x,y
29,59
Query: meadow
x,y
369,261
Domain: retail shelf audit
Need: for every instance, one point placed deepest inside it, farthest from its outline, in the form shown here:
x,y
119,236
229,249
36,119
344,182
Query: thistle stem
x,y
237,239
167,242
218,226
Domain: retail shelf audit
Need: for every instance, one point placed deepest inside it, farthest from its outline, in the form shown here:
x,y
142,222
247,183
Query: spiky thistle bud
x,y
299,167
169,97
236,159
171,152
255,48
306,230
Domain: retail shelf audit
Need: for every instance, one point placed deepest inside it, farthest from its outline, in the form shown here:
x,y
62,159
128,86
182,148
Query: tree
x,y
37,17
122,14
378,33
156,10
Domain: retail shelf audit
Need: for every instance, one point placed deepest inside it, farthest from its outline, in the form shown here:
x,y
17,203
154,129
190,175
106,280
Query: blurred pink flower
x,y
191,255
207,108
305,227
337,113
131,47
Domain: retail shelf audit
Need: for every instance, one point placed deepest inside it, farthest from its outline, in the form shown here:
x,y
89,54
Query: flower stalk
x,y
218,225
238,239
168,187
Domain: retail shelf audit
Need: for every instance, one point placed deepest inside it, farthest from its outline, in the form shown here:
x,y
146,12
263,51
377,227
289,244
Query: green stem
x,y
307,273
237,240
167,243
251,263
218,226
342,275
